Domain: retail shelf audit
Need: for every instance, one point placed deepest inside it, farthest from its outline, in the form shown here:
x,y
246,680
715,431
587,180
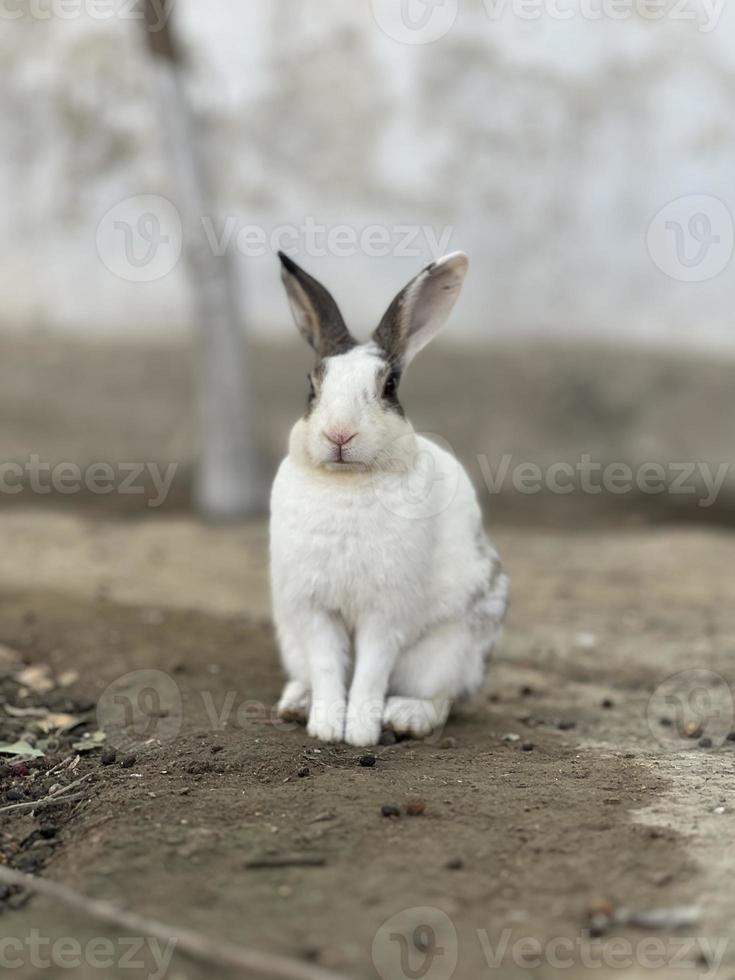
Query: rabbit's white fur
x,y
387,596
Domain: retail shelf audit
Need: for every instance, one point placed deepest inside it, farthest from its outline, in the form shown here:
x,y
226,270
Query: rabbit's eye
x,y
390,387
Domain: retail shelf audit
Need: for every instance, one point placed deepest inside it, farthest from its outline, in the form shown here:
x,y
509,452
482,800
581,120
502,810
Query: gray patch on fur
x,y
488,603
315,378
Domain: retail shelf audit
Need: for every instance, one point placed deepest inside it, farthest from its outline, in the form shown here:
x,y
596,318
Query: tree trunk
x,y
228,479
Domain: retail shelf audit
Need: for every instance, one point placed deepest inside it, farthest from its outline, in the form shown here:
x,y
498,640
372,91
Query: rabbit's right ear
x,y
316,314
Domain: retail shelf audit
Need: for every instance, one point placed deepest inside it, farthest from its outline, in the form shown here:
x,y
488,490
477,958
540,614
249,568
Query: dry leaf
x,y
90,742
68,677
37,677
54,721
19,748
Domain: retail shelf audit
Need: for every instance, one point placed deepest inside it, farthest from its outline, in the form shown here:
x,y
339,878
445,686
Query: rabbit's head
x,y
354,420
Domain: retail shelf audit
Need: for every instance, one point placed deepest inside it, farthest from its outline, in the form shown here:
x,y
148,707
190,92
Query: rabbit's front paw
x,y
327,721
358,732
364,723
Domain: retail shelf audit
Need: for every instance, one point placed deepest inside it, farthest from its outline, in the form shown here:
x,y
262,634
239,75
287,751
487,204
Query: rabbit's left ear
x,y
421,309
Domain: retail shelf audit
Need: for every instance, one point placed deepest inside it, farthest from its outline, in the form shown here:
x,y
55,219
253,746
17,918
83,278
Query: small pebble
x,y
109,755
705,743
566,726
586,641
216,748
367,761
414,808
528,746
511,737
600,915
14,795
128,761
303,772
455,864
390,810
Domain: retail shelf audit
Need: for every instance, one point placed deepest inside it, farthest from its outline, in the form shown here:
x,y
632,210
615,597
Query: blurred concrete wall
x,y
581,151
546,407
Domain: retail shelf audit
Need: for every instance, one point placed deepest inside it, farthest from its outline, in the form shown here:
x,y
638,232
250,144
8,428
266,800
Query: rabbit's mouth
x,y
339,458
340,462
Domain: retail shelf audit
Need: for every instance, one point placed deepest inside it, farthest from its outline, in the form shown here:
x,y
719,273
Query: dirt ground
x,y
570,789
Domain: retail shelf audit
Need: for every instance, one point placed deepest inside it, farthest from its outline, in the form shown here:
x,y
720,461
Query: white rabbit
x,y
387,596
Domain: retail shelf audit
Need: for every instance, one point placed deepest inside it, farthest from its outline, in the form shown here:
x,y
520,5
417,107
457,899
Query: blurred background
x,y
580,151
154,159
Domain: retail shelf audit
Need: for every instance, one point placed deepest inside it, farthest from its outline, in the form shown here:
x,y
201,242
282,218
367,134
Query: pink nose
x,y
338,437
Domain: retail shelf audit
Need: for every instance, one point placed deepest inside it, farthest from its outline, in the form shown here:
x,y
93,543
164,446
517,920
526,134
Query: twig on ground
x,y
58,797
45,802
194,944
62,790
71,762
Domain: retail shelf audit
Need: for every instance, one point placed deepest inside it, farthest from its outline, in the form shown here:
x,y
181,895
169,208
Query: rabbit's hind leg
x,y
417,717
447,663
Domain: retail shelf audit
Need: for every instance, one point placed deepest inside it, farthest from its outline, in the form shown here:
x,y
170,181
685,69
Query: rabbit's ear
x,y
316,314
421,309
